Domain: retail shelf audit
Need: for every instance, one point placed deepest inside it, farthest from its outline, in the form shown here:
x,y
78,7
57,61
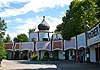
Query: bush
x,y
34,57
45,58
2,50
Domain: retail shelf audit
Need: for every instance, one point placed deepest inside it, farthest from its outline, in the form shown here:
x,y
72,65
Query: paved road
x,y
47,65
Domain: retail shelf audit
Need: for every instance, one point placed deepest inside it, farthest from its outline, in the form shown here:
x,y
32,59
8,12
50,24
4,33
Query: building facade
x,y
51,44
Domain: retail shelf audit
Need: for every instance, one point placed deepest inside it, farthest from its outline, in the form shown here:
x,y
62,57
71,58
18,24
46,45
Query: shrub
x,y
34,57
45,58
51,58
2,50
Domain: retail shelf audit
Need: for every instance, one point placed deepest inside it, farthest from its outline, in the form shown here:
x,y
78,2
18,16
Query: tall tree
x,y
98,4
2,50
21,38
7,39
2,33
79,12
2,28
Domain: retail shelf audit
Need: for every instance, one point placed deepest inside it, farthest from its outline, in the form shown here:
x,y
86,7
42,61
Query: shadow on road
x,y
46,62
64,65
50,65
39,69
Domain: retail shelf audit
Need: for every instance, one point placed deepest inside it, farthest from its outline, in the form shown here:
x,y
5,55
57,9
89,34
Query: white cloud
x,y
32,5
18,20
53,22
5,3
8,21
33,22
63,13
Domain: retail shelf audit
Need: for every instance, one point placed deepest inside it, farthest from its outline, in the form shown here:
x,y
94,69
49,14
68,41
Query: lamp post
x,y
86,48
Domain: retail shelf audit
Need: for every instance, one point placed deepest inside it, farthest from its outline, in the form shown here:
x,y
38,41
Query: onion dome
x,y
43,25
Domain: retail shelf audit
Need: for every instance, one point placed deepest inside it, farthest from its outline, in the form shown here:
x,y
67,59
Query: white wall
x,y
81,40
43,35
92,54
56,36
94,35
33,35
70,44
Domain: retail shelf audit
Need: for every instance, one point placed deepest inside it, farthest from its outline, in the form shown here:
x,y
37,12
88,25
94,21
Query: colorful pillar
x,y
38,36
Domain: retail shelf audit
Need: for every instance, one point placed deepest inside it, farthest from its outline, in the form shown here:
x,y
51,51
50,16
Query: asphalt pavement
x,y
47,65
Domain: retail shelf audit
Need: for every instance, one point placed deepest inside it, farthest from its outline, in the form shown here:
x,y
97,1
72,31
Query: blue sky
x,y
21,15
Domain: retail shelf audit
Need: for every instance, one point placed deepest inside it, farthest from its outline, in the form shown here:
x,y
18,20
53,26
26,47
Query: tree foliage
x,y
7,39
58,28
79,12
31,30
2,33
98,4
2,28
2,50
21,38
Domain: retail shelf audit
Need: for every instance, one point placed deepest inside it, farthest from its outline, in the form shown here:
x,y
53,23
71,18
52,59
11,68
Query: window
x,y
45,39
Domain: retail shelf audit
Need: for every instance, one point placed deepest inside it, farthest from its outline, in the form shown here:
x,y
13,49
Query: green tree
x,y
98,4
2,28
31,30
21,38
7,39
2,50
2,33
58,28
79,12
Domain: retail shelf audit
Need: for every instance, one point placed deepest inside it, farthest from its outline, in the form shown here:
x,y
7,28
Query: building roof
x,y
43,25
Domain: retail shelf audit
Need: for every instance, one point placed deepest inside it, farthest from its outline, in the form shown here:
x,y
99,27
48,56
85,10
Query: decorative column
x,y
38,36
14,50
77,53
87,49
98,48
28,55
48,37
33,40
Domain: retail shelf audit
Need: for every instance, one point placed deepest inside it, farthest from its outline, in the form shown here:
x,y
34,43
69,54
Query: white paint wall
x,y
92,54
33,35
81,40
43,35
94,39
